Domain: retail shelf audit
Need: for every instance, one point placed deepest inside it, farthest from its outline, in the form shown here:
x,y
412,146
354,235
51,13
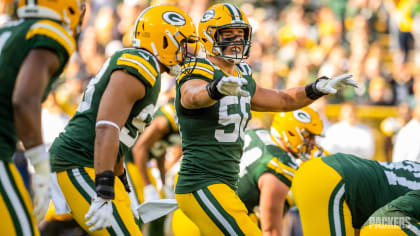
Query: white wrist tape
x,y
107,122
37,154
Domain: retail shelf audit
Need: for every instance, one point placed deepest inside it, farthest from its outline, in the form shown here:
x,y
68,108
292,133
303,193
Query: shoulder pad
x,y
55,31
144,63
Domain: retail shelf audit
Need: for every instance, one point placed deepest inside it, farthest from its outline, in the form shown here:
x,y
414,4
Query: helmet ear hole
x,y
165,42
71,10
290,133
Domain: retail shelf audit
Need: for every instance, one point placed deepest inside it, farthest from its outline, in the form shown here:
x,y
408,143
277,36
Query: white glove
x,y
331,85
231,86
39,158
100,214
150,193
168,192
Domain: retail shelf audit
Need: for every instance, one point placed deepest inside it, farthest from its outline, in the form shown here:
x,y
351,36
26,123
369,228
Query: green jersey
x,y
212,137
170,139
75,146
370,185
408,204
403,211
262,155
17,39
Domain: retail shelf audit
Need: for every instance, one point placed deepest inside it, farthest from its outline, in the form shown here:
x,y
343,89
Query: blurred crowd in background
x,y
293,43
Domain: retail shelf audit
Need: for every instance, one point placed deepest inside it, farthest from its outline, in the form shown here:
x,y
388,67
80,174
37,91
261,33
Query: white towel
x,y
155,209
57,196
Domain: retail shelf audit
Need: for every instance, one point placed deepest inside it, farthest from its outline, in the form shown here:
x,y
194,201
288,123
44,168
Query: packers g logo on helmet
x,y
165,31
207,15
174,18
302,116
292,129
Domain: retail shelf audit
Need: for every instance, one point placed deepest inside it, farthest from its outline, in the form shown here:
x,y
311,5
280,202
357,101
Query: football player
x,y
33,52
268,164
213,102
401,217
336,194
117,105
161,134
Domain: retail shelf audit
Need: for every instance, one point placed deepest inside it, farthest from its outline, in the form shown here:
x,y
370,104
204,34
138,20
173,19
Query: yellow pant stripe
x,y
16,200
318,192
217,210
336,210
223,220
78,188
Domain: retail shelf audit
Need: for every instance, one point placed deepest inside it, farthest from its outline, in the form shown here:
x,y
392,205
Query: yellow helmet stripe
x,y
151,69
139,67
54,31
169,111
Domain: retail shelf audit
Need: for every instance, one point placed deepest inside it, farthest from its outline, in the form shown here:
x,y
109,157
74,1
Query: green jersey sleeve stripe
x,y
139,67
48,29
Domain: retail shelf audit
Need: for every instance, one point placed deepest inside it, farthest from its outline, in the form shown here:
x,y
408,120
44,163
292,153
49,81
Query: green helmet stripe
x,y
234,11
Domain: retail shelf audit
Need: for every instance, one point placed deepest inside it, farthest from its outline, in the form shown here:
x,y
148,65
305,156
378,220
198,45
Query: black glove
x,y
124,180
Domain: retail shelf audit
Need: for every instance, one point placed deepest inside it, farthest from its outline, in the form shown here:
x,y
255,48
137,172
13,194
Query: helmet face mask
x,y
234,40
221,17
165,31
296,131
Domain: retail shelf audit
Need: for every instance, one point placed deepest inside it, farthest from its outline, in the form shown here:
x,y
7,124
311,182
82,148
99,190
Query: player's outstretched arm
x,y
295,98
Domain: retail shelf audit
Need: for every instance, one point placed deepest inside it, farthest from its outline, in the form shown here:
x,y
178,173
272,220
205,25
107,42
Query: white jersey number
x,y
236,119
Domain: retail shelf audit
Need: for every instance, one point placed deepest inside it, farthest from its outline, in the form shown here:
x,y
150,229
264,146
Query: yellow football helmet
x,y
165,31
294,131
69,12
222,16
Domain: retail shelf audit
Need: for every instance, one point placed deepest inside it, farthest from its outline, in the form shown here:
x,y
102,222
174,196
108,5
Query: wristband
x,y
312,92
104,185
212,90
